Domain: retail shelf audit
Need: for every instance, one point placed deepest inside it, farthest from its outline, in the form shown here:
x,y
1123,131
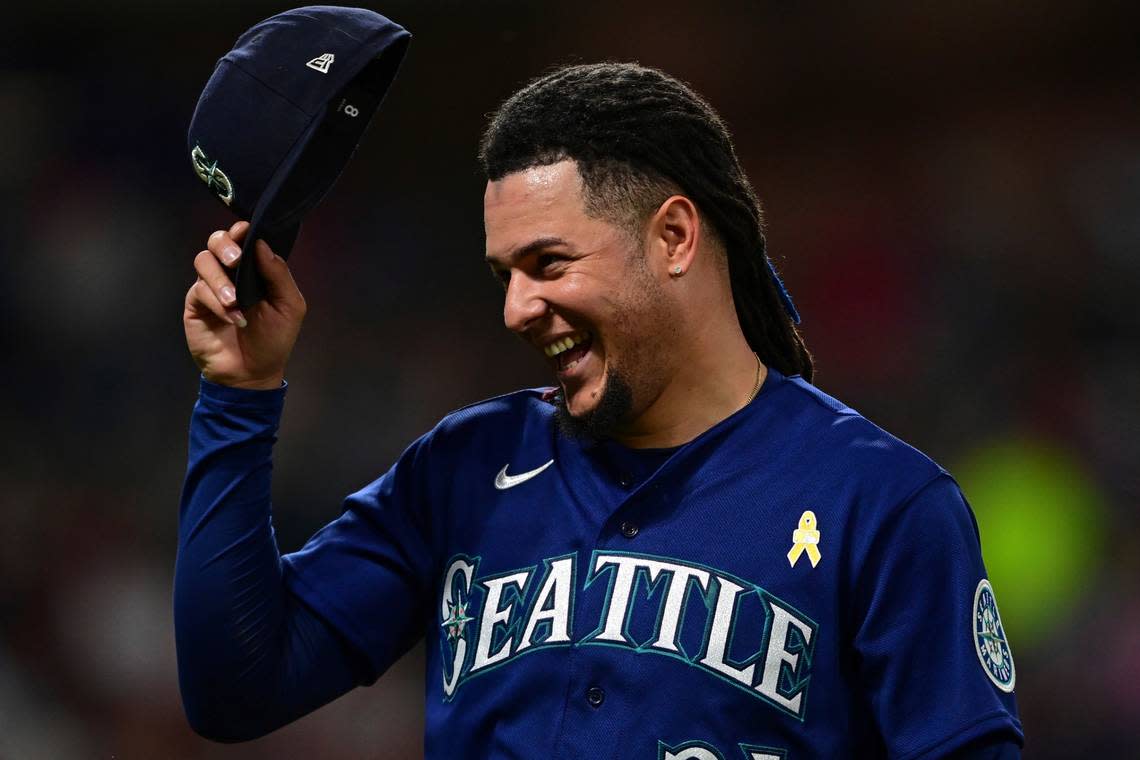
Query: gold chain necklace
x,y
756,387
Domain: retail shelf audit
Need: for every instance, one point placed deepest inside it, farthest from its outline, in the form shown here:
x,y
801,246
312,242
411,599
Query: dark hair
x,y
637,134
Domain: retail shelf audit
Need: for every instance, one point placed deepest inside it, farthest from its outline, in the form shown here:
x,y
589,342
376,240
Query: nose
x,y
523,304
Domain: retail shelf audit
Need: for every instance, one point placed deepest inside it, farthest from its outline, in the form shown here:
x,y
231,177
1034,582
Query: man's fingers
x,y
223,246
203,304
218,282
201,298
224,251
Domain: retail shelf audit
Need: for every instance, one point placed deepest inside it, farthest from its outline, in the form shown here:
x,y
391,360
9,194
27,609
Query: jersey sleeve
x,y
368,573
918,648
251,658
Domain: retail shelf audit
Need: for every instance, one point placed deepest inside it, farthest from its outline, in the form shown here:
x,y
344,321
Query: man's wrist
x,y
230,395
270,384
266,384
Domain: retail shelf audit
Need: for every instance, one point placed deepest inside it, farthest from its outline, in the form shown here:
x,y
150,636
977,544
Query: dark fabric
x,y
251,657
995,747
558,606
282,114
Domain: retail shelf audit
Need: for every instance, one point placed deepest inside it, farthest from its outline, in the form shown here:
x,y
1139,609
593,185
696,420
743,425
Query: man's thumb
x,y
279,283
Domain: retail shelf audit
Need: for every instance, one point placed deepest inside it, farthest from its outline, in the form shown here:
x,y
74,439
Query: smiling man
x,y
681,550
636,318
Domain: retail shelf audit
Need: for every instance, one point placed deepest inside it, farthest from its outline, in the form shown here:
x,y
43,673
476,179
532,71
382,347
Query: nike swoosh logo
x,y
503,481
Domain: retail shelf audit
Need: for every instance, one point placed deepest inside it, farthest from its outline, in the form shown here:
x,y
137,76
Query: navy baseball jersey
x,y
794,583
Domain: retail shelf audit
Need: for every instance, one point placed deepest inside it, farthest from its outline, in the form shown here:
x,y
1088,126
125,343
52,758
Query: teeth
x,y
565,344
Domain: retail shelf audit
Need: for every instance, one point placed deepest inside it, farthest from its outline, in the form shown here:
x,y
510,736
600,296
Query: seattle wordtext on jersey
x,y
722,625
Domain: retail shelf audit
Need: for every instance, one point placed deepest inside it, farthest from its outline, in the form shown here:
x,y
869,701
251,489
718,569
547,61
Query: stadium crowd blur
x,y
952,193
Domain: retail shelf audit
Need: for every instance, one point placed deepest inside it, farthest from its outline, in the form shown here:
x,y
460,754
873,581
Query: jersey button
x,y
595,696
629,530
625,481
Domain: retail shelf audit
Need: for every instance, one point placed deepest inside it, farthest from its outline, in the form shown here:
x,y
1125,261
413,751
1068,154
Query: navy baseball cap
x,y
283,113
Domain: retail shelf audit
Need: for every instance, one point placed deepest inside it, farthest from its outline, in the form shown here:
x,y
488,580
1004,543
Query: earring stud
x,y
677,271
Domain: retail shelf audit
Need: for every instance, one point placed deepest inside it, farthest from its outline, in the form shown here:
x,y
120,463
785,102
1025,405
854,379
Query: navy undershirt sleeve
x,y
251,656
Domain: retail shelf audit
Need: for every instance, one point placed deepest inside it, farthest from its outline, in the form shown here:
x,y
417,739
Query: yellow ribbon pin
x,y
805,538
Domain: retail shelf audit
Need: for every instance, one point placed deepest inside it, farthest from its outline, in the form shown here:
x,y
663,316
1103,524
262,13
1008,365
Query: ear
x,y
673,234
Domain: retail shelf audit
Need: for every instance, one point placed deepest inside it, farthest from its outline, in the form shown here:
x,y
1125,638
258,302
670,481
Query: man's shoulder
x,y
526,402
519,413
829,429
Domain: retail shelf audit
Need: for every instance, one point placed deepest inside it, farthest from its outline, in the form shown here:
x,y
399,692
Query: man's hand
x,y
231,348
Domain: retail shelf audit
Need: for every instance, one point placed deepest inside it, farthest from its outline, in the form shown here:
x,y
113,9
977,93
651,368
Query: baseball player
x,y
684,550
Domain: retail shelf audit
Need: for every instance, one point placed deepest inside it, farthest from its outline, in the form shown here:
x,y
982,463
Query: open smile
x,y
567,352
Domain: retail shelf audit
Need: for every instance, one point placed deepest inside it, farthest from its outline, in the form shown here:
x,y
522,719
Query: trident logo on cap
x,y
214,177
805,538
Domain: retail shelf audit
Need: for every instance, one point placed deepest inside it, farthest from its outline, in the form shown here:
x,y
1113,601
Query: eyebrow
x,y
525,250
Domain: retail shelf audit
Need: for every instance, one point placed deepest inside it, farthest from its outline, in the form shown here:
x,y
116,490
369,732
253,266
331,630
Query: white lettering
x,y
620,591
512,621
678,589
778,654
724,613
622,588
692,753
556,590
493,615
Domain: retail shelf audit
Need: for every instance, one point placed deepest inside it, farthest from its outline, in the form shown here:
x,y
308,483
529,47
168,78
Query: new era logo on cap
x,y
322,63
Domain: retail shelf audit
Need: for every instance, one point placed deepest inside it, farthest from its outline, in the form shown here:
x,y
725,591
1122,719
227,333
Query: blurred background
x,y
952,193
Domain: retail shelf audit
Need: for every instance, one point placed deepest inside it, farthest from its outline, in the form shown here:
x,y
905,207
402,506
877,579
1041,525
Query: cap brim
x,y
250,286
248,281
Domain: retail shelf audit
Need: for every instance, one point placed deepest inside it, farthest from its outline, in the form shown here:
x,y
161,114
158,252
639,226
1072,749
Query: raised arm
x,y
251,657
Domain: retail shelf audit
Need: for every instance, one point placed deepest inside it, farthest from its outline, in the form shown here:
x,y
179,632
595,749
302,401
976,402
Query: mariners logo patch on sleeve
x,y
989,639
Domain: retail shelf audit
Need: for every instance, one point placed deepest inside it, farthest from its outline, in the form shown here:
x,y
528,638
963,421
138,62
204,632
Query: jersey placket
x,y
600,698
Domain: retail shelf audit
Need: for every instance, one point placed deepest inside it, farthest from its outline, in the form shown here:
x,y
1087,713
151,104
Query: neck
x,y
708,385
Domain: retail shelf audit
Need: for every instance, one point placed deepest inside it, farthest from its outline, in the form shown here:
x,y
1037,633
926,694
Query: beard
x,y
643,310
613,409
